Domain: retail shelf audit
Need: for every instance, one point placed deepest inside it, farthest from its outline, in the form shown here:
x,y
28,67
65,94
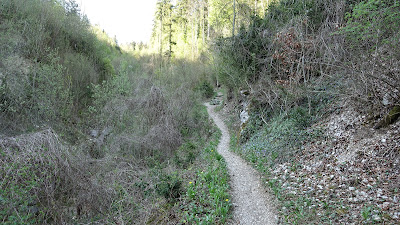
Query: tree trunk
x,y
203,19
170,40
208,22
161,34
263,6
234,18
196,31
255,7
170,34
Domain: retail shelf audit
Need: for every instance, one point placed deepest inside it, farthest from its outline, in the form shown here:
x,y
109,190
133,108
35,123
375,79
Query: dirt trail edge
x,y
249,198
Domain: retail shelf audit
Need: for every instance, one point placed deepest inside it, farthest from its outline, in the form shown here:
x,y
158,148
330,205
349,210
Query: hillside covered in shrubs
x,y
94,132
314,87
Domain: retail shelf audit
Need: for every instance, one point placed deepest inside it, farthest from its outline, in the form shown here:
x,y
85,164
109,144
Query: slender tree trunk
x,y
161,35
208,20
234,18
170,40
208,25
203,19
255,7
196,31
193,36
263,6
170,34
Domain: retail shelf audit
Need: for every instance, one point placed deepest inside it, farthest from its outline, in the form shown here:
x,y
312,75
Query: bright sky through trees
x,y
129,20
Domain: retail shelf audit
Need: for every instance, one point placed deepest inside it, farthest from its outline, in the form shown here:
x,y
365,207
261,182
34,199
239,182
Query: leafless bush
x,y
296,60
295,49
164,137
332,44
154,106
143,122
40,171
306,57
182,103
372,55
163,133
376,79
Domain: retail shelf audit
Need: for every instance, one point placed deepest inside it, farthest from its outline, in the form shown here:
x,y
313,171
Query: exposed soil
x,y
251,202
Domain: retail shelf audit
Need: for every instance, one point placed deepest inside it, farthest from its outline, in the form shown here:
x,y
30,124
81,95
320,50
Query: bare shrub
x,y
291,72
332,43
154,106
164,137
376,80
372,39
162,133
294,52
142,123
42,178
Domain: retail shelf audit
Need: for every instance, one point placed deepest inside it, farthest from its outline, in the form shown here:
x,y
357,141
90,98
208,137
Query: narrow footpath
x,y
249,198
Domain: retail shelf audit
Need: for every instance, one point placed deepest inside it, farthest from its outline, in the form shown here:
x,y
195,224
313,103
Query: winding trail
x,y
249,198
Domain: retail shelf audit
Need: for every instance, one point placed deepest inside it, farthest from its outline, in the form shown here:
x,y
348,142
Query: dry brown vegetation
x,y
43,178
91,134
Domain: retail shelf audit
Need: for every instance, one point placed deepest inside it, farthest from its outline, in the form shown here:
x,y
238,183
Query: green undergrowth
x,y
278,140
207,200
189,188
15,199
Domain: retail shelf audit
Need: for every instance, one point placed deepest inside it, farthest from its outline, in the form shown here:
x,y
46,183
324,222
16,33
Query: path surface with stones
x,y
249,198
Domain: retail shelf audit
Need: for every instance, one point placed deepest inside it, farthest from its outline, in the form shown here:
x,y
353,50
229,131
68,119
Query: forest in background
x,y
102,133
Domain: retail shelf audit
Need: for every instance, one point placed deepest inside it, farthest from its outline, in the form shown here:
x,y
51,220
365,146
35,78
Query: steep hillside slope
x,y
314,90
93,133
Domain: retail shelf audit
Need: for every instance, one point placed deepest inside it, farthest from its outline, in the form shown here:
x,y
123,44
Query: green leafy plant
x,y
170,187
373,23
366,212
206,89
207,193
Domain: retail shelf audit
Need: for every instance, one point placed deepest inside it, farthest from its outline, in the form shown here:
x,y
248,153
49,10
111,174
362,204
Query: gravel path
x,y
250,200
